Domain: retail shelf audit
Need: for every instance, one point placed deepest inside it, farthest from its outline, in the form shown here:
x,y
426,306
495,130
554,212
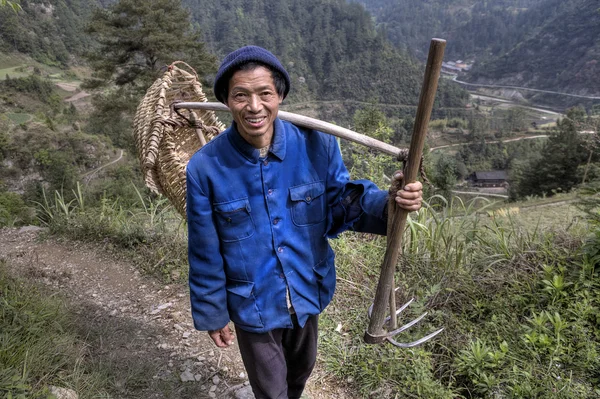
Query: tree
x,y
515,119
445,174
372,122
556,169
137,38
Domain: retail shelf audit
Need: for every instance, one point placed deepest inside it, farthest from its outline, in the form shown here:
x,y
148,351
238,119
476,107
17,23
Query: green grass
x,y
38,347
12,72
19,118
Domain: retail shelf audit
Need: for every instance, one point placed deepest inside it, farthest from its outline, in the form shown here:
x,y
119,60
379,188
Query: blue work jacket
x,y
257,225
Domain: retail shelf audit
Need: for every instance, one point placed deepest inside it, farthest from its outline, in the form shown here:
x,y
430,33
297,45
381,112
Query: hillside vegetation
x,y
473,28
541,44
49,31
331,49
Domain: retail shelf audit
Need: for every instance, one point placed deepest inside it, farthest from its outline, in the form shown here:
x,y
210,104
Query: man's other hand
x,y
223,337
411,196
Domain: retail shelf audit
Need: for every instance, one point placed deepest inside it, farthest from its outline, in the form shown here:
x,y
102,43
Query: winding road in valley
x,y
501,100
524,88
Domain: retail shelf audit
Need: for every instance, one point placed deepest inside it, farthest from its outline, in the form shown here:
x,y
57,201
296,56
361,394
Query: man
x,y
262,199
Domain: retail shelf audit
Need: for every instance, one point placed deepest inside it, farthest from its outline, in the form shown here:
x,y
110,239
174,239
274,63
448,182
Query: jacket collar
x,y
278,145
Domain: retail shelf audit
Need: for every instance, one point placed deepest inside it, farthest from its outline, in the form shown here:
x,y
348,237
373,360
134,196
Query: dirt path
x,y
90,175
138,328
68,86
78,96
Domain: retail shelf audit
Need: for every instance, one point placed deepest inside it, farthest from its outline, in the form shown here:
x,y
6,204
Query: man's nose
x,y
255,103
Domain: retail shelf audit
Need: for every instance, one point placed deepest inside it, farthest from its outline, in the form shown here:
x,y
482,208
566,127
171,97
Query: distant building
x,y
495,178
454,67
449,67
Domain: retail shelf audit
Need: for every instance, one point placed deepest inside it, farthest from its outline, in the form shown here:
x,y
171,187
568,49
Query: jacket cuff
x,y
361,207
210,323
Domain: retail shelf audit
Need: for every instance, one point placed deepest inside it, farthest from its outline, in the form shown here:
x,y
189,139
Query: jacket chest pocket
x,y
234,220
308,203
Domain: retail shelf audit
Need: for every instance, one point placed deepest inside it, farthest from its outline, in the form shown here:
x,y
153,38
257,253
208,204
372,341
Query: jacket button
x,y
275,221
270,191
281,275
308,199
265,162
280,249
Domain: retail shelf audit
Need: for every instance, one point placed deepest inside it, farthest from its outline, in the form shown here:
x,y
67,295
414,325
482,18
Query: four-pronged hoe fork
x,y
397,217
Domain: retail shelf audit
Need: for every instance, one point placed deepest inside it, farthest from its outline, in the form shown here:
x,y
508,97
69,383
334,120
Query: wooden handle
x,y
311,123
433,69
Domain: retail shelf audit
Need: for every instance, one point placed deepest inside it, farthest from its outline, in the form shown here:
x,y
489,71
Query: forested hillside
x,y
563,55
542,44
331,48
49,31
472,27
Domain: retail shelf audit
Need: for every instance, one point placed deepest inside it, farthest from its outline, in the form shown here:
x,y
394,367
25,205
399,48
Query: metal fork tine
x,y
414,343
407,304
406,326
400,310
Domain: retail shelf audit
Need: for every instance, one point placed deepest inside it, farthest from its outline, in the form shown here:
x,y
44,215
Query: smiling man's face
x,y
254,104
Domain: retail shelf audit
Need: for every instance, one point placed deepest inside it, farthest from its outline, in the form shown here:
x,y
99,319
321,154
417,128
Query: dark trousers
x,y
280,361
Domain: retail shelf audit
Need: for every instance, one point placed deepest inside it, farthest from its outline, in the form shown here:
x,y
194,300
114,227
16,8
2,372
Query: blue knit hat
x,y
242,56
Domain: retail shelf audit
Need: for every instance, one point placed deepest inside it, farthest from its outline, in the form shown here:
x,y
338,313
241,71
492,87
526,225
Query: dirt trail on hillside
x,y
135,326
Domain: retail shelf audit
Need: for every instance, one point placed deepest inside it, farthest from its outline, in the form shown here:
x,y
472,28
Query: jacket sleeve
x,y
206,276
357,205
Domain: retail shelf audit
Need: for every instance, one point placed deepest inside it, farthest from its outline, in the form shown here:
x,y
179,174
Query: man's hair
x,y
278,78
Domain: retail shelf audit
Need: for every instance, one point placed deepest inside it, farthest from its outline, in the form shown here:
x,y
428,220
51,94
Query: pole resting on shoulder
x,y
312,123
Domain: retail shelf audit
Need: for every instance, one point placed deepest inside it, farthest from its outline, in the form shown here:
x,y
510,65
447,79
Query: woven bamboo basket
x,y
166,139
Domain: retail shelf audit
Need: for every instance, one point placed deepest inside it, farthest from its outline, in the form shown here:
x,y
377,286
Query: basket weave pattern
x,y
167,140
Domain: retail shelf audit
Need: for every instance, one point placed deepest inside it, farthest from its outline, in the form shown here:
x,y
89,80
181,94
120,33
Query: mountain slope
x,y
331,48
563,56
50,31
473,28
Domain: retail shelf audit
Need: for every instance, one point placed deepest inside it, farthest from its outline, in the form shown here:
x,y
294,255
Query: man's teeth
x,y
255,120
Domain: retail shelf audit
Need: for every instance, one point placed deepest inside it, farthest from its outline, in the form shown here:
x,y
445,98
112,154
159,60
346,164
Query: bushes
x,y
14,211
43,90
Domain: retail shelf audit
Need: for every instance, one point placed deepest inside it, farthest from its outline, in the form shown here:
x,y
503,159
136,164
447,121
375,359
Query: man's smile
x,y
256,120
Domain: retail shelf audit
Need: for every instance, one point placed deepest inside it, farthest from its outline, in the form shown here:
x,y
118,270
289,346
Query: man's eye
x,y
240,96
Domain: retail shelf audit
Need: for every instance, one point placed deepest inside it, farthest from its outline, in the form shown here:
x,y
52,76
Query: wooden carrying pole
x,y
375,332
311,123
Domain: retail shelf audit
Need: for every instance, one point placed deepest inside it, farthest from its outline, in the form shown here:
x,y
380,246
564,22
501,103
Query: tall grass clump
x,y
37,346
520,305
149,232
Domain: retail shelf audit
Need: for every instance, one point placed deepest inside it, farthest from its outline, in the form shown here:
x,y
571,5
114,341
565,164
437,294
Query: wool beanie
x,y
243,56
